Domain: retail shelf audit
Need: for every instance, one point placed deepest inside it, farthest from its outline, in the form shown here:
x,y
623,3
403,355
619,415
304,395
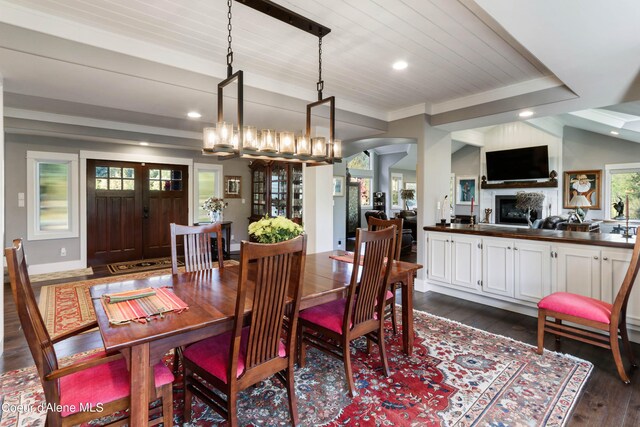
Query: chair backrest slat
x,y
622,298
279,269
376,268
197,246
376,224
33,325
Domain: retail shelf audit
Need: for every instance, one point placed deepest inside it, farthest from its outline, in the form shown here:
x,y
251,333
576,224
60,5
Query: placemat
x,y
141,305
346,257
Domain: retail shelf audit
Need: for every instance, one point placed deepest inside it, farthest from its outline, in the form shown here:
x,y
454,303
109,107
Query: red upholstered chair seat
x,y
102,384
212,354
577,305
330,315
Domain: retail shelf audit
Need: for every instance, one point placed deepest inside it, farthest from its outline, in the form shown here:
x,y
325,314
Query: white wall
x,y
521,135
318,206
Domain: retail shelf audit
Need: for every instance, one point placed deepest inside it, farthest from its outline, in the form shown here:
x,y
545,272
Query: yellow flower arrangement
x,y
274,230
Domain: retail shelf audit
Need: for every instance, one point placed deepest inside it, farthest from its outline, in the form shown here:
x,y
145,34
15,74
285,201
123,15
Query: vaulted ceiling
x,y
146,63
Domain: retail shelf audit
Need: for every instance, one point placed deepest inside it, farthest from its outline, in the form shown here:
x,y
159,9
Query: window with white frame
x,y
412,204
207,183
52,188
396,186
361,161
622,185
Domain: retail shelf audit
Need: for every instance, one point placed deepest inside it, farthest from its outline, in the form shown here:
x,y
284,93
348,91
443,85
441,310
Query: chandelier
x,y
228,141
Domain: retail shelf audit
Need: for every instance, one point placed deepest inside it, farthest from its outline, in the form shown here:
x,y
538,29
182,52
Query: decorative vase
x,y
215,216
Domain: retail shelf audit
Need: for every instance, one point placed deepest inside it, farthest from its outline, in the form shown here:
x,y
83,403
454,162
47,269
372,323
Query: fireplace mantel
x,y
533,184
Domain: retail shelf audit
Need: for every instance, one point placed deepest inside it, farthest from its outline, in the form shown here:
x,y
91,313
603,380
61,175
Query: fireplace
x,y
507,213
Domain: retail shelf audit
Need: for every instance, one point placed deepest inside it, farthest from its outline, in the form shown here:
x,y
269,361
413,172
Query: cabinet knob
x,y
515,249
447,241
604,258
509,247
595,257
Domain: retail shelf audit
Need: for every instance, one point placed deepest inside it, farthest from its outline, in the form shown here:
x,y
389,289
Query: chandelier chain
x,y
320,85
229,50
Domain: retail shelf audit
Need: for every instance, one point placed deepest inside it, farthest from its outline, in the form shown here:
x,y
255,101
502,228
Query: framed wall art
x,y
232,187
466,188
582,189
338,186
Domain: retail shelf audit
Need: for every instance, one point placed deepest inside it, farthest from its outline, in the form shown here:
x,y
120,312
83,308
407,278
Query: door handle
x,y
145,212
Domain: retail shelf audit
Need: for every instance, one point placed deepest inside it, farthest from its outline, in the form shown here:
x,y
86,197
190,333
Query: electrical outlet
x,y
63,251
233,238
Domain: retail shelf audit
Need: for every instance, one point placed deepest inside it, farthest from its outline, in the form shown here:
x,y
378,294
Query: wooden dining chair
x,y
611,319
380,224
197,246
339,322
90,381
271,275
198,256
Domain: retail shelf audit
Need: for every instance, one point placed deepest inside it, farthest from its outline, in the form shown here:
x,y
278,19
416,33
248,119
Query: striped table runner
x,y
347,257
141,305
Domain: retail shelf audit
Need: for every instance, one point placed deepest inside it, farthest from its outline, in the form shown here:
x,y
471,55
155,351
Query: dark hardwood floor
x,y
605,400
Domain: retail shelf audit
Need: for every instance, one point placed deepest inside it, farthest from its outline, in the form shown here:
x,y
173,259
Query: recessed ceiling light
x,y
613,132
143,143
194,115
526,113
400,65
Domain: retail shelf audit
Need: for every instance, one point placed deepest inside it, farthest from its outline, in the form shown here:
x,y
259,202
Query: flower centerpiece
x,y
214,206
274,230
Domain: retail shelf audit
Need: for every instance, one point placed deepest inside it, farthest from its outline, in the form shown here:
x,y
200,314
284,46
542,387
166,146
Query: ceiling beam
x,y
287,16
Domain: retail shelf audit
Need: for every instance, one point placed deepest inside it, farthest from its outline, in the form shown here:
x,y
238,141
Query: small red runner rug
x,y
457,376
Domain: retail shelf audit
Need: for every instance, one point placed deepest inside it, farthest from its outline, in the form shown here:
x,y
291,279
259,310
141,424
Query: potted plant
x,y
407,195
274,230
214,207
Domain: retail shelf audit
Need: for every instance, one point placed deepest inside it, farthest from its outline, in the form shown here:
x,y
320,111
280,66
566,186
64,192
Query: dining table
x,y
210,296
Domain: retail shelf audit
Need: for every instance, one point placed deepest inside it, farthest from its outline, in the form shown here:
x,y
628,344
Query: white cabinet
x,y
453,259
614,267
532,270
578,270
497,266
516,268
464,261
439,257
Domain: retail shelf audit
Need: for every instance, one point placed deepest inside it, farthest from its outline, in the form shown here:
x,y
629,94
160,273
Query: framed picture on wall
x,y
232,187
582,189
466,187
338,186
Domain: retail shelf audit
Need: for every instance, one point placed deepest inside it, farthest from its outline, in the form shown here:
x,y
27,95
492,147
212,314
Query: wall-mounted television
x,y
518,164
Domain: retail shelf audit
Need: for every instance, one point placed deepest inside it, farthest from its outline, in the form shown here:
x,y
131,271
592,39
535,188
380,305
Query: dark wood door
x,y
165,200
114,212
129,208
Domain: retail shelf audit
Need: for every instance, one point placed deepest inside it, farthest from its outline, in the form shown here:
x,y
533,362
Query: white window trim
x,y
196,184
33,158
400,205
607,182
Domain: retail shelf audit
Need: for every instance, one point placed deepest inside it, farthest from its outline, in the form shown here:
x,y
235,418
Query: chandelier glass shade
x,y
227,139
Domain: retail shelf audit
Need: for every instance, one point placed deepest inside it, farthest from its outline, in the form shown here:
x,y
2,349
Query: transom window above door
x,y
165,180
115,178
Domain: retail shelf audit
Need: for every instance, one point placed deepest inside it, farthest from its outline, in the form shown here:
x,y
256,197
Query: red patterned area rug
x,y
457,376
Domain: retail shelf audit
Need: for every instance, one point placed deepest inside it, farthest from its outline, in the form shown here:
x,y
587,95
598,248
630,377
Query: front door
x,y
129,208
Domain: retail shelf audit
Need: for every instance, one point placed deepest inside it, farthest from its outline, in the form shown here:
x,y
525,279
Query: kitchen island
x,y
513,268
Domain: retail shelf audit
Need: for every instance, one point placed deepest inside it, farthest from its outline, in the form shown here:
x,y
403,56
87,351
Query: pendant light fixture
x,y
226,140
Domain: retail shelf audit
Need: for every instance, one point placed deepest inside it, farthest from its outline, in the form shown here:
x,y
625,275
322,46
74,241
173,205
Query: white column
x,y
433,173
2,169
317,209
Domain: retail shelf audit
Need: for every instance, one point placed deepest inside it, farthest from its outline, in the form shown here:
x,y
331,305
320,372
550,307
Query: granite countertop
x,y
574,237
